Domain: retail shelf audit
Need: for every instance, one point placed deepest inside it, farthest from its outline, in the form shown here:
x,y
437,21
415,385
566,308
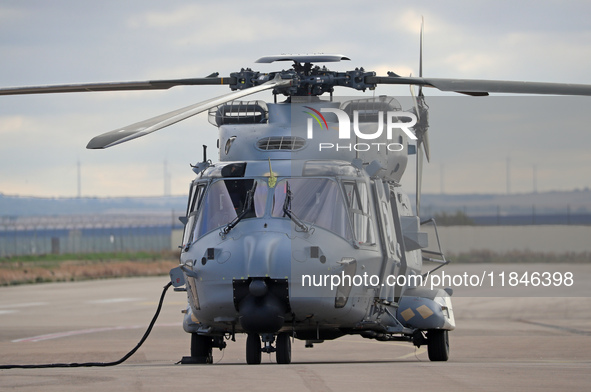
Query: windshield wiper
x,y
245,210
287,209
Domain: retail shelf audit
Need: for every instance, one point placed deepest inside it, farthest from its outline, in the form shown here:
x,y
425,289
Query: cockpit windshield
x,y
225,200
317,201
309,202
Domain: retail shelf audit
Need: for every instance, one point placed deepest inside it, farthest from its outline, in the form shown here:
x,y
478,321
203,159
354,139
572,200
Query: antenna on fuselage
x,y
199,167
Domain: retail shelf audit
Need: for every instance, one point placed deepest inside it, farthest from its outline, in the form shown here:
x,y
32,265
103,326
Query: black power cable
x,y
100,364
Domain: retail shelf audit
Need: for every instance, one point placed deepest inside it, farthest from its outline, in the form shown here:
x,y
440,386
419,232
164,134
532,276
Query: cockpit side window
x,y
195,197
198,194
191,198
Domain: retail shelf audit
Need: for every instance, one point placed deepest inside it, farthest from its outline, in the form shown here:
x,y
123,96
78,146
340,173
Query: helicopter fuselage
x,y
291,238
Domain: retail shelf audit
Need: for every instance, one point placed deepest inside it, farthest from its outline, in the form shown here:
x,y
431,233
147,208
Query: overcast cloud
x,y
43,137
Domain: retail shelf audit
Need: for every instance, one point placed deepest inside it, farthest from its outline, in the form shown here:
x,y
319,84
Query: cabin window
x,y
316,201
357,197
388,227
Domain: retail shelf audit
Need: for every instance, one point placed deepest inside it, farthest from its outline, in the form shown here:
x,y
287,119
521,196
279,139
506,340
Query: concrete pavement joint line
x,y
86,331
367,341
566,329
418,351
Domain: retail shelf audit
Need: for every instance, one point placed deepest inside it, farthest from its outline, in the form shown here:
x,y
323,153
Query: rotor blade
x,y
115,86
422,127
483,87
421,55
419,178
426,146
416,104
304,58
145,127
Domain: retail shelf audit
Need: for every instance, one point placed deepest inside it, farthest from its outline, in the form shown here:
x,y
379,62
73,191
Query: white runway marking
x,y
58,335
23,305
114,300
14,308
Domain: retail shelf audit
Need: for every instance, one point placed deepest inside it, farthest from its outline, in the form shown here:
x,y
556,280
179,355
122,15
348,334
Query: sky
x,y
479,145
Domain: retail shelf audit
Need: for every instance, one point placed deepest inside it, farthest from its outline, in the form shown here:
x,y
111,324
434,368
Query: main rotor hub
x,y
307,79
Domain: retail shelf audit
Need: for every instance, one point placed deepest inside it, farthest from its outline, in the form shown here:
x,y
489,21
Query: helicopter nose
x,y
258,288
263,314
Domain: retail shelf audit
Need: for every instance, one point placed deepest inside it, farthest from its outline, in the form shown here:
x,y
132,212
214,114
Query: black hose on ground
x,y
100,364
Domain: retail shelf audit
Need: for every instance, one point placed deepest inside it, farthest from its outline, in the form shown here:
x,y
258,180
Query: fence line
x,y
84,234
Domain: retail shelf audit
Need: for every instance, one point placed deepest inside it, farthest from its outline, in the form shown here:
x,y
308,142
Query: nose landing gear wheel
x,y
253,349
283,353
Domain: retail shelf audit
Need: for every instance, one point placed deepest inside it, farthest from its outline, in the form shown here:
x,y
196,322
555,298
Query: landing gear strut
x,y
254,350
201,347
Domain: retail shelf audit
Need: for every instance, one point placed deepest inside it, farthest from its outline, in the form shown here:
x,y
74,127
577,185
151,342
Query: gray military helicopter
x,y
302,230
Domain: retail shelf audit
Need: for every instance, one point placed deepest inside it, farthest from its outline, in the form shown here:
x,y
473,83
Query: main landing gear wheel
x,y
201,348
438,345
253,349
283,353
